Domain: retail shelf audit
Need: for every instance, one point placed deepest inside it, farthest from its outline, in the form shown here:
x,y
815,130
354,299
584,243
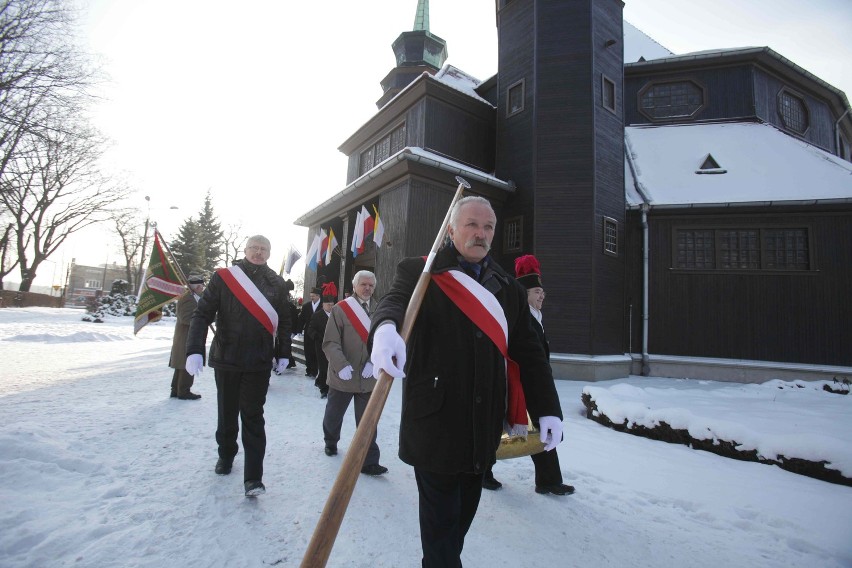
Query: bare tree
x,y
5,243
233,243
40,70
126,224
53,188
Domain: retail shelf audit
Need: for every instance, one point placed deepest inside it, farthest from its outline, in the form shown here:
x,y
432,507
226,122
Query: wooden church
x,y
692,213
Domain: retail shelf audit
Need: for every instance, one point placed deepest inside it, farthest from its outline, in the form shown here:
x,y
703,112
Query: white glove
x,y
345,373
367,372
551,431
387,346
281,365
194,364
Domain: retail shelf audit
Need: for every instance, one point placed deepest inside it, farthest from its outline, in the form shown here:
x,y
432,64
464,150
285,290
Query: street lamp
x,y
148,223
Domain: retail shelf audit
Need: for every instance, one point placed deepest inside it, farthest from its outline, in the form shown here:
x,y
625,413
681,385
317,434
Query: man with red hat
x,y
548,474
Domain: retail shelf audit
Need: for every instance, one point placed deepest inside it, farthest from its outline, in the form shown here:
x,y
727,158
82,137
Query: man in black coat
x,y
457,386
316,330
248,302
308,311
548,472
294,315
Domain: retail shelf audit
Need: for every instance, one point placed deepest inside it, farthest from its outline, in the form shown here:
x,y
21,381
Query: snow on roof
x,y
457,79
638,44
762,165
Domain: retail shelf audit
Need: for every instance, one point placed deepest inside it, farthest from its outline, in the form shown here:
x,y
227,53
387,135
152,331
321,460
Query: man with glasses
x,y
248,302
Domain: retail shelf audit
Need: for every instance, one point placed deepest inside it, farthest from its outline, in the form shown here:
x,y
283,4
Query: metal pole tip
x,y
463,182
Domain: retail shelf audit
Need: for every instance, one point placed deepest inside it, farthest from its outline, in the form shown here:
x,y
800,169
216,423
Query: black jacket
x,y
454,392
316,327
241,342
306,314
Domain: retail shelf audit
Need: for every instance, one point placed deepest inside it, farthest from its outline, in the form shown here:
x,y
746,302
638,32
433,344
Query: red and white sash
x,y
250,297
357,317
483,309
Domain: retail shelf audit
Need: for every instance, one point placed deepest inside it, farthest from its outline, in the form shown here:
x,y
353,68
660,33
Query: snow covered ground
x,y
100,468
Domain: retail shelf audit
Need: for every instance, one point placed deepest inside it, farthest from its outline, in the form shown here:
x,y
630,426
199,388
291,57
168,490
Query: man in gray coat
x,y
181,380
349,368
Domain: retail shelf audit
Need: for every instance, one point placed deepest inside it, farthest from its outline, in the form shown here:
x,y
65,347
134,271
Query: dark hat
x,y
528,271
316,290
288,285
195,279
329,292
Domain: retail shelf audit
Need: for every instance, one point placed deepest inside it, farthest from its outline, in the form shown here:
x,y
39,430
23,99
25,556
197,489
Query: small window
x,y
608,93
515,98
694,249
787,249
674,99
739,249
513,234
93,283
793,111
610,236
381,150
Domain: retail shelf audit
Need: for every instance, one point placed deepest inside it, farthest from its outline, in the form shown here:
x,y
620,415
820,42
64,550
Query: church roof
x,y
364,186
756,164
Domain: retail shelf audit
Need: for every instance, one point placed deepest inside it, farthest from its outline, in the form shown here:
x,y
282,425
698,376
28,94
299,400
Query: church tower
x,y
560,139
416,52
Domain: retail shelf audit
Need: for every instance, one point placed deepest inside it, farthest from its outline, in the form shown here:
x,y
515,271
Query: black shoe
x,y
331,450
189,396
557,489
374,469
254,488
291,365
223,467
491,484
310,374
173,395
323,394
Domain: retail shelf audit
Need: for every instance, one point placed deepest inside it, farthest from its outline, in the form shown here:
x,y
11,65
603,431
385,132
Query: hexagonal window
x,y
793,111
672,99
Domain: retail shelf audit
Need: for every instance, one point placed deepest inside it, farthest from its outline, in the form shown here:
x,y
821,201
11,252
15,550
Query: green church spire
x,y
421,18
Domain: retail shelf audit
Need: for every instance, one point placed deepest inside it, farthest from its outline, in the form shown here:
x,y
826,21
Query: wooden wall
x,y
797,317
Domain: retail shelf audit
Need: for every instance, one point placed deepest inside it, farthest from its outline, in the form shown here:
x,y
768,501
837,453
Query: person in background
x,y
294,315
316,331
472,363
548,473
308,311
350,373
248,302
181,380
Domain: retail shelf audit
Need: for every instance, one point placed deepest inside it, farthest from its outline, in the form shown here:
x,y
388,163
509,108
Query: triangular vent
x,y
710,166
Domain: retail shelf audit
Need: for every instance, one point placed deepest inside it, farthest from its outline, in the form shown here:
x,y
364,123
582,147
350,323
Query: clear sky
x,y
250,100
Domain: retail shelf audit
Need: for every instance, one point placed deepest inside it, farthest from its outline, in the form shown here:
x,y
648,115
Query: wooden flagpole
x,y
325,533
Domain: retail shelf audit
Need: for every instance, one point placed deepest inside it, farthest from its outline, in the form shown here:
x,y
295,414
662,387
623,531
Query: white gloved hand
x,y
345,373
387,346
551,431
281,365
194,364
367,372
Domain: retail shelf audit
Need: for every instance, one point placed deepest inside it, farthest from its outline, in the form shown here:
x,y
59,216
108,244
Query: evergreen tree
x,y
187,248
210,238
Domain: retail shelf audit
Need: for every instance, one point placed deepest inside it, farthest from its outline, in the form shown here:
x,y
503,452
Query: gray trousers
x,y
335,407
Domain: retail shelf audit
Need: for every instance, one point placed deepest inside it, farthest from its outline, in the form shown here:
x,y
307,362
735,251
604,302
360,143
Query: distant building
x,y
692,213
88,282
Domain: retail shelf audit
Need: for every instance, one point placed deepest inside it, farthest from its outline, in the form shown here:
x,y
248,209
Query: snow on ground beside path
x,y
98,467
